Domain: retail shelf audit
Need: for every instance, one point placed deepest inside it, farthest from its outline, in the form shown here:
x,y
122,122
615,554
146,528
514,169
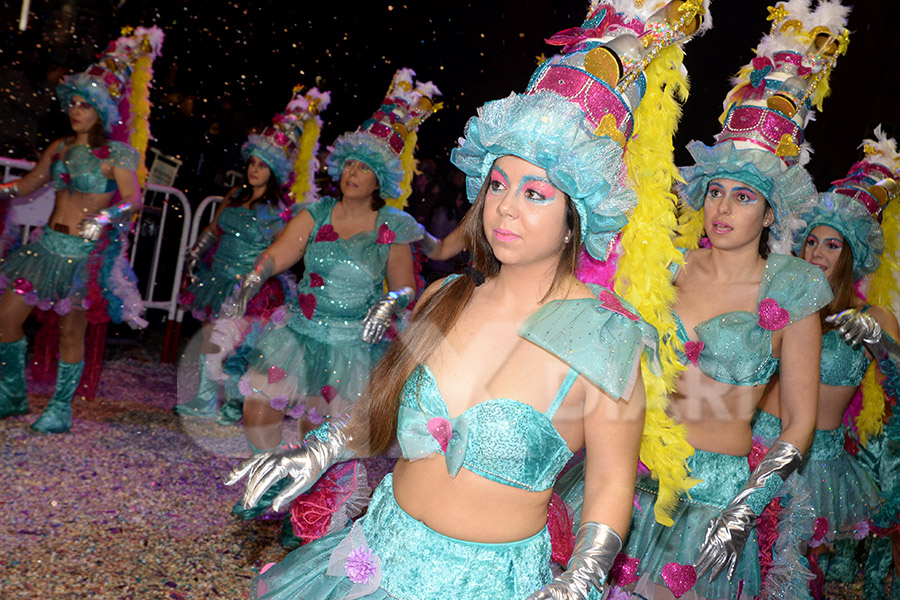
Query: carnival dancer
x,y
843,237
739,316
250,217
314,360
508,368
78,267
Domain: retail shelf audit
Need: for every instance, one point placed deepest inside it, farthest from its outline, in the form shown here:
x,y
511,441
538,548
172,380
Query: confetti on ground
x,y
131,503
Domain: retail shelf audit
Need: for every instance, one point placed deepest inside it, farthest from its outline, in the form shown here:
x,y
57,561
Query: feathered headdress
x,y
762,141
386,142
118,87
290,144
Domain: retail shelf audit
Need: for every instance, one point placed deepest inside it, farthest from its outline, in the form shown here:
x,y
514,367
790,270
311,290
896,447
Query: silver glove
x,y
93,225
428,243
204,243
236,304
596,547
304,463
727,533
378,318
856,327
9,190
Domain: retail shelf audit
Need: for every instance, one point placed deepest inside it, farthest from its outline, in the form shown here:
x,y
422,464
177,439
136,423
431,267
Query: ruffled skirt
x,y
842,491
50,273
389,554
666,554
313,368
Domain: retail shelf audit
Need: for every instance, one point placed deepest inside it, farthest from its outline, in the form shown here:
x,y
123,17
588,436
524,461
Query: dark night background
x,y
228,66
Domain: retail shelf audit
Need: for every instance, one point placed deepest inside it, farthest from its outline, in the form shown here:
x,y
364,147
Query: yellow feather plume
x,y
643,277
883,291
139,102
408,161
304,166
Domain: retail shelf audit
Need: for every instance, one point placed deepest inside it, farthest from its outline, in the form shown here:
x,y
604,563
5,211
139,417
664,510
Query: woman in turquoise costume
x,y
78,267
246,223
314,359
550,365
739,316
843,237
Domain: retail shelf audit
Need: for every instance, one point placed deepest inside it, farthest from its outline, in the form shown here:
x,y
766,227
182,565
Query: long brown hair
x,y
842,285
436,316
97,136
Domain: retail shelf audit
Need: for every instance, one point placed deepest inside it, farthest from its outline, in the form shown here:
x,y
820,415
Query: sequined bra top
x,y
736,347
841,364
80,170
510,442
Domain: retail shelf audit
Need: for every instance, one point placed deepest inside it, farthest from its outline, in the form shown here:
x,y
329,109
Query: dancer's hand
x,y
378,318
855,327
193,256
304,463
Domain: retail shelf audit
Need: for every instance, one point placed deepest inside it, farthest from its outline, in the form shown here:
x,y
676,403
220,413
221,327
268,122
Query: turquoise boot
x,y
13,400
57,417
205,403
231,412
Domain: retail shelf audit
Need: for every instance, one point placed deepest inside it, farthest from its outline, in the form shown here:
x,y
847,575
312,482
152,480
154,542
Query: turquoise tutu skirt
x,y
317,368
389,554
50,273
656,546
206,293
841,489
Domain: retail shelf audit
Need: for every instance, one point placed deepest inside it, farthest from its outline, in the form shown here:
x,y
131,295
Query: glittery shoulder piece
x,y
602,338
321,211
799,287
122,155
403,225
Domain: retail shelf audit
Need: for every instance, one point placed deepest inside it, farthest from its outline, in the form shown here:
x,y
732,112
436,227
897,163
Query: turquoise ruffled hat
x,y
278,143
575,118
106,84
854,205
762,143
381,140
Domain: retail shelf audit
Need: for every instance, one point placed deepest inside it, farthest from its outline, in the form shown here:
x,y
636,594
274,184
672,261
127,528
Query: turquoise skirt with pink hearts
x,y
389,554
314,368
664,556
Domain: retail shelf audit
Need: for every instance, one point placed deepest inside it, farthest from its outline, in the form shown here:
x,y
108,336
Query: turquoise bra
x,y
80,170
841,364
736,347
510,442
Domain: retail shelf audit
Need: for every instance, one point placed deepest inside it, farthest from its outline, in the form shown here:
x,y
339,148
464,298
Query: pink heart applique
x,y
624,570
65,178
276,374
611,301
315,280
329,393
326,233
385,235
23,286
307,304
680,578
692,350
102,152
772,316
441,430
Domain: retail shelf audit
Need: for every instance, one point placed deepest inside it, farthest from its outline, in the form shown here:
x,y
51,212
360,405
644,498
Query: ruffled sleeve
x,y
603,339
799,287
123,156
404,227
321,211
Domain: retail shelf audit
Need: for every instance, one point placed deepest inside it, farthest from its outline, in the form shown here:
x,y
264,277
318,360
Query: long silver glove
x,y
596,547
236,305
304,463
206,241
93,225
378,318
428,243
727,533
9,190
859,328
